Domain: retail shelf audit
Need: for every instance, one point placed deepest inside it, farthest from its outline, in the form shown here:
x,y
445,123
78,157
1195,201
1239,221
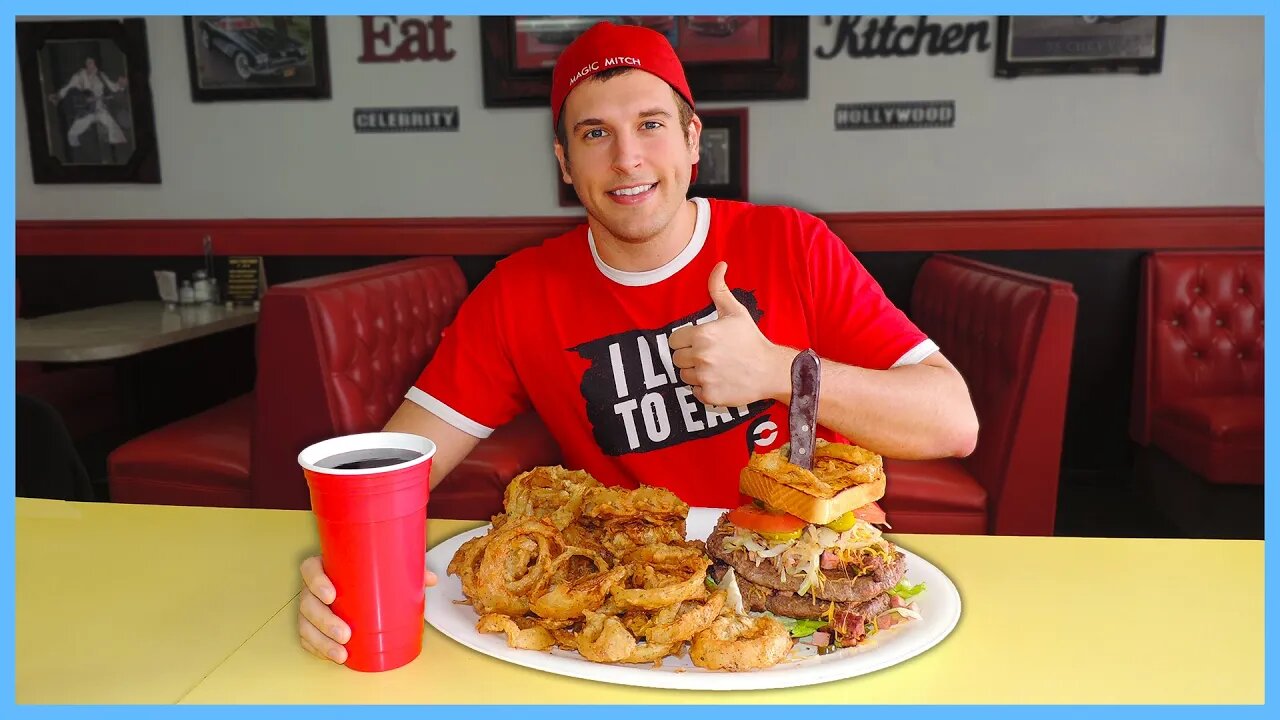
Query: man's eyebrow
x,y
588,122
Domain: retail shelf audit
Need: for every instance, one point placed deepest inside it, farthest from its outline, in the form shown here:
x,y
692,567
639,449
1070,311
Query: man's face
x,y
91,67
629,160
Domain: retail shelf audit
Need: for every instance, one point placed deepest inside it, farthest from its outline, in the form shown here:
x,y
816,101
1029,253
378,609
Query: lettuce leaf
x,y
905,590
805,628
799,628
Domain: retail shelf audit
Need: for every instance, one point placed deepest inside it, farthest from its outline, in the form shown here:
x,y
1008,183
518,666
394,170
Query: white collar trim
x,y
676,264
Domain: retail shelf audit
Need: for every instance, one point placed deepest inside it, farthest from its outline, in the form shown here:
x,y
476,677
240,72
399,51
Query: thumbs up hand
x,y
728,361
727,305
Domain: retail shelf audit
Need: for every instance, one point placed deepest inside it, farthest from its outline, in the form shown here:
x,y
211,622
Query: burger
x,y
810,548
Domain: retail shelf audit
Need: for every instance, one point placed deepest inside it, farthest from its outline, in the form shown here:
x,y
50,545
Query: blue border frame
x,y
82,8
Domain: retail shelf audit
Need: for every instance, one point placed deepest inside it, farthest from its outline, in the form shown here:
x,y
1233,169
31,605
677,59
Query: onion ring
x,y
658,590
566,601
533,637
682,621
741,642
466,562
652,652
604,639
501,584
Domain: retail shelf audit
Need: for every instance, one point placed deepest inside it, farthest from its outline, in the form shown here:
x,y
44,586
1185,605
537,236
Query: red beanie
x,y
605,46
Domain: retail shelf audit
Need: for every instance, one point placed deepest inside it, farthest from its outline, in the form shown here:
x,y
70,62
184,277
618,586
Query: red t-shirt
x,y
585,345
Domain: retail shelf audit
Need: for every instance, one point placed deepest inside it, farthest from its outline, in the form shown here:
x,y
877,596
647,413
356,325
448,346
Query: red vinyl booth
x,y
1198,390
1009,334
335,356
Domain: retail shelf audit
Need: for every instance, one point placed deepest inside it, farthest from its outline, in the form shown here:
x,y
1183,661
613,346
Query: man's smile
x,y
633,194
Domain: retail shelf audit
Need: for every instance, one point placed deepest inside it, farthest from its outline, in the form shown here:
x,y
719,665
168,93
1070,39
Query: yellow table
x,y
208,615
131,603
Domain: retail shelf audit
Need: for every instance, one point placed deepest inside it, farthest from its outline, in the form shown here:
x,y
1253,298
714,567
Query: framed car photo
x,y
257,57
86,85
726,57
1077,44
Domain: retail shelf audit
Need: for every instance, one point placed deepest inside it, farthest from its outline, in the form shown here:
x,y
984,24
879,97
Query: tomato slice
x,y
871,512
753,518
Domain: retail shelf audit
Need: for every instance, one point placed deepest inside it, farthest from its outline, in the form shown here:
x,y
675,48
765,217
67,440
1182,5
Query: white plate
x,y
939,604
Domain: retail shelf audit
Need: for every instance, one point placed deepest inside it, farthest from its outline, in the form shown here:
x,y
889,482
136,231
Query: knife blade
x,y
805,383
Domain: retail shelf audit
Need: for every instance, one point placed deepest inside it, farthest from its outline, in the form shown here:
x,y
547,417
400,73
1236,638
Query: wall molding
x,y
1051,229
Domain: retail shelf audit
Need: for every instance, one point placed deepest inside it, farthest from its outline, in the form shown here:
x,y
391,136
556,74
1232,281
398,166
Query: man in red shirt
x,y
656,340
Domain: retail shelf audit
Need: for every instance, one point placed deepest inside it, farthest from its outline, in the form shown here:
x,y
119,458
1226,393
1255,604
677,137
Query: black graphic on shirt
x,y
761,433
635,399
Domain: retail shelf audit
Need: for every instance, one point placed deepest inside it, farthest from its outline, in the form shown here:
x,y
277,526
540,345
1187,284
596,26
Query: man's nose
x,y
626,151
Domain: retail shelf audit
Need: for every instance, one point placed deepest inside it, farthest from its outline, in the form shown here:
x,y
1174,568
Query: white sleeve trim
x,y
918,353
448,414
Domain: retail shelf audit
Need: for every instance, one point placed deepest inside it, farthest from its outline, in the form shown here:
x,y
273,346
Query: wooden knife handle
x,y
805,381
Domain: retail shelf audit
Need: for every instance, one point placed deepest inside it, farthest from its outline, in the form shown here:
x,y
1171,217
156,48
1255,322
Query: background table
x,y
198,605
121,330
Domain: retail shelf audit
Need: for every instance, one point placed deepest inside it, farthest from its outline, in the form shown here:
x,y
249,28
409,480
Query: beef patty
x,y
840,586
758,598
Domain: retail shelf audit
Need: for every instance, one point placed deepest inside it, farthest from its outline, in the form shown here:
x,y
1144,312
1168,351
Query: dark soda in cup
x,y
369,495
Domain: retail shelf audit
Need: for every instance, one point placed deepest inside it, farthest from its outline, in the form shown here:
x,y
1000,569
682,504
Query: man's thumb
x,y
721,295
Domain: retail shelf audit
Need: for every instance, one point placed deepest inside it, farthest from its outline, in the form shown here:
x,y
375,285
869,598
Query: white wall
x,y
1191,135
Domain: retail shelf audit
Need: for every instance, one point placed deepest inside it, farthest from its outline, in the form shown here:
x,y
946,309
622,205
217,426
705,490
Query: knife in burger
x,y
808,548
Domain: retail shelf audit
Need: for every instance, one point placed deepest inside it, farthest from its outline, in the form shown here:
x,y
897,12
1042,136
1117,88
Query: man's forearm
x,y
452,444
912,412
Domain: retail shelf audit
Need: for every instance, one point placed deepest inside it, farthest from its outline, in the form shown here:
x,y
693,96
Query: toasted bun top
x,y
844,477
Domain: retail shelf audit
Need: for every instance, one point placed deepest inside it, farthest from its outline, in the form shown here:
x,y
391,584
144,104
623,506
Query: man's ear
x,y
563,160
695,136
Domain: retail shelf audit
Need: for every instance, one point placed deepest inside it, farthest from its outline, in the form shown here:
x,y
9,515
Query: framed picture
x,y
1070,44
722,152
86,87
726,57
722,164
257,57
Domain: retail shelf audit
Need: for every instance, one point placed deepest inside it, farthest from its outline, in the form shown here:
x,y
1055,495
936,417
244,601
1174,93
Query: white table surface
x,y
115,331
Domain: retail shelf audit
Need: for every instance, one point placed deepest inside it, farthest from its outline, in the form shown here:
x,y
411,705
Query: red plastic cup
x,y
372,523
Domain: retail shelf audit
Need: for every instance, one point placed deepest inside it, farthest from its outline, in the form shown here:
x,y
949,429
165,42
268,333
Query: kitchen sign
x,y
896,115
860,36
406,119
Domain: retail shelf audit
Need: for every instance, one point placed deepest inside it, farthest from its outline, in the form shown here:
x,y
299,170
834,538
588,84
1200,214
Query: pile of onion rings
x,y
605,572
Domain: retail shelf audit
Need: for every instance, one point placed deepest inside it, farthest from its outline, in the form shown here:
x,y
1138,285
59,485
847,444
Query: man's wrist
x,y
780,374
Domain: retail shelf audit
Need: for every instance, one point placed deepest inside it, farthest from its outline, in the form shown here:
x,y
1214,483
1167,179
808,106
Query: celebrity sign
x,y
405,119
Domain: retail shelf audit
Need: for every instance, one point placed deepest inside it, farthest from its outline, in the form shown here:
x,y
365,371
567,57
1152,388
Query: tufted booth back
x,y
1010,335
1199,330
336,355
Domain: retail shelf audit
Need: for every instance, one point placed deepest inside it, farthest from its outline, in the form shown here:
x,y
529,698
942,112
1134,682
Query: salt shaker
x,y
202,287
186,294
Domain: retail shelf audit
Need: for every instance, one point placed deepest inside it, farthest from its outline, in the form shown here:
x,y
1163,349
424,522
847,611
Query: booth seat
x,y
335,355
1010,335
1198,390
